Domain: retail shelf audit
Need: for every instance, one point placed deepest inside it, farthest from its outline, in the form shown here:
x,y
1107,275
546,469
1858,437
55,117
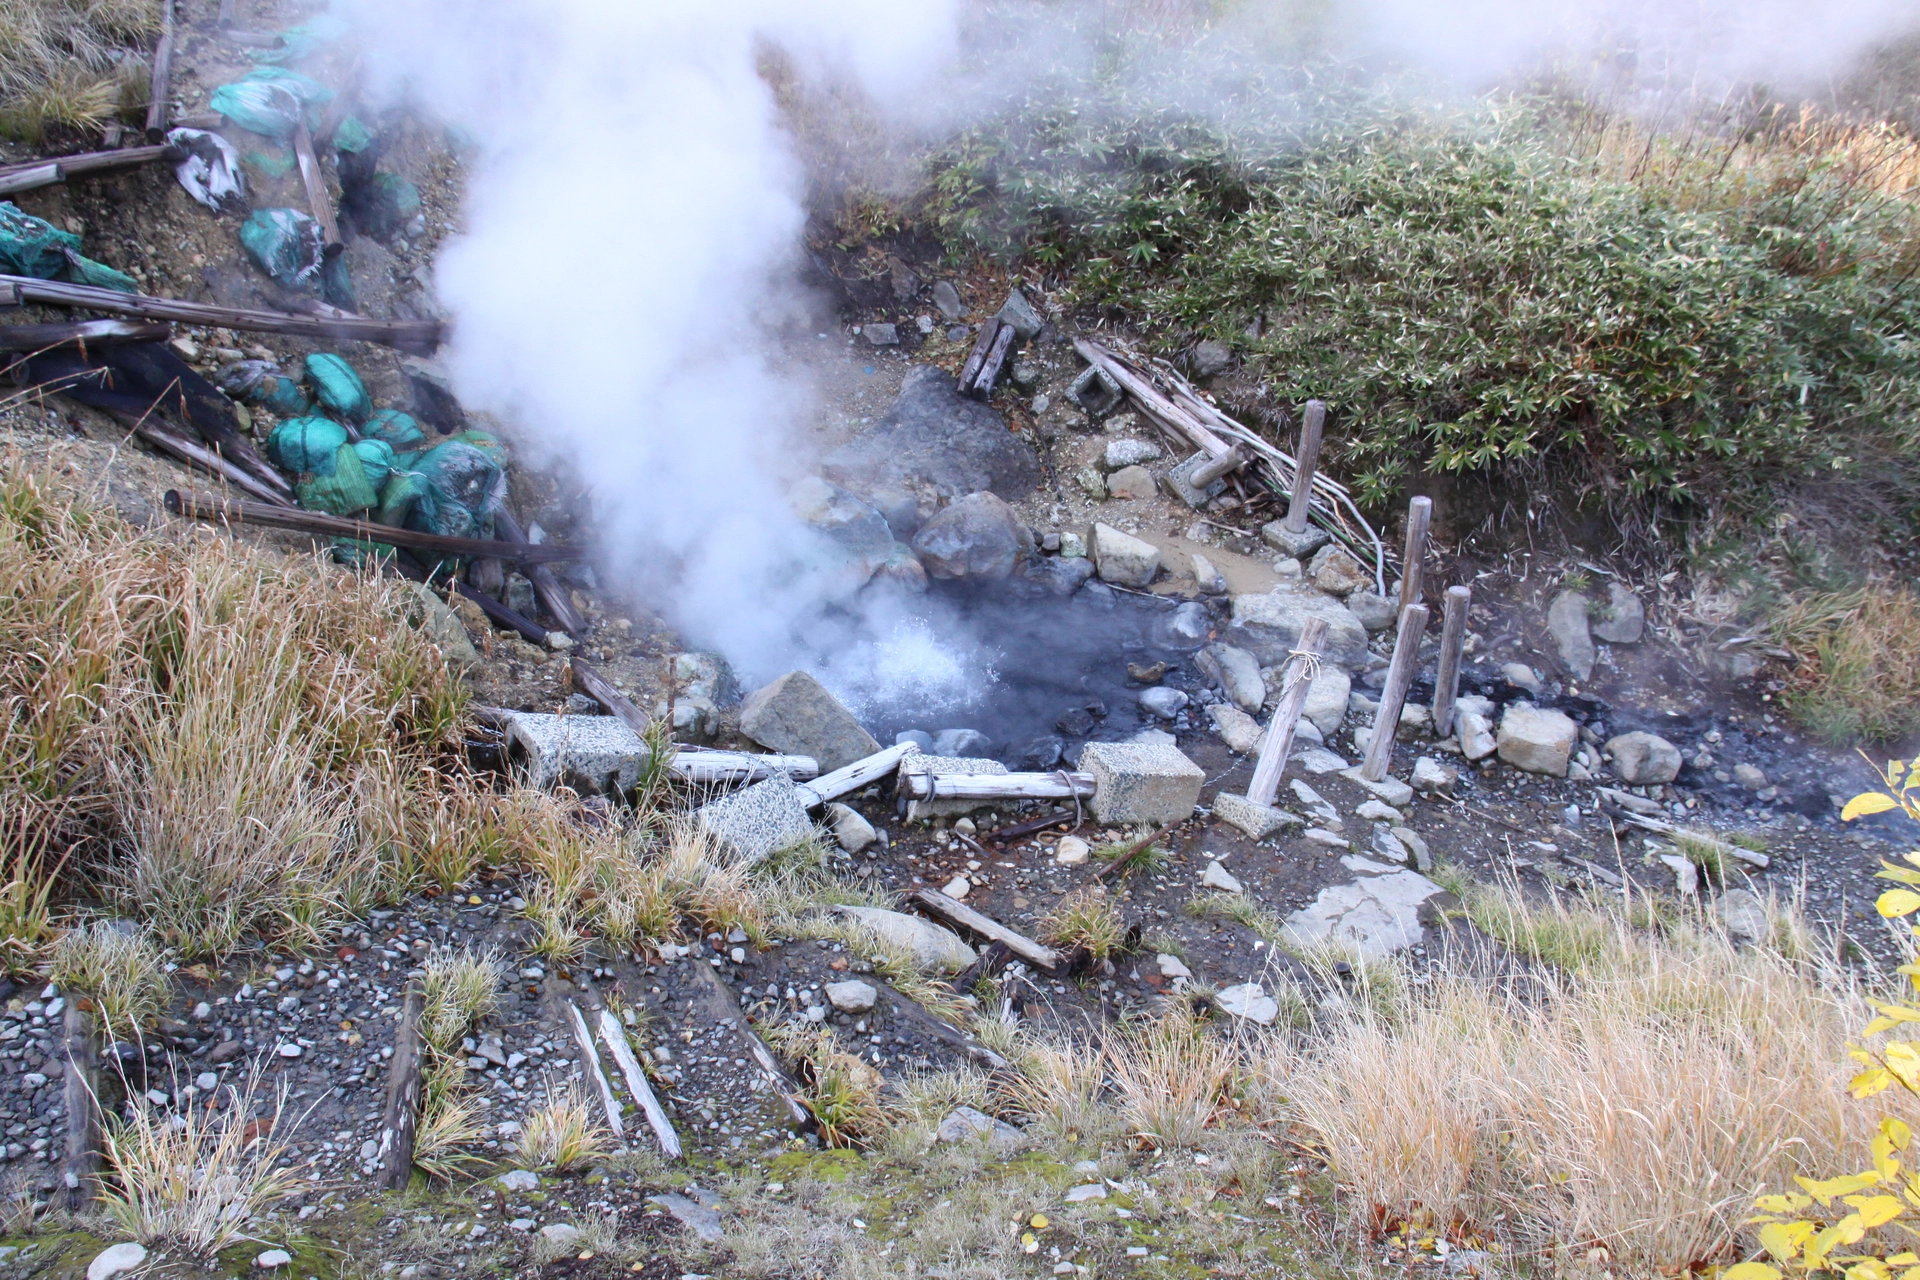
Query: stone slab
x,y
931,945
758,820
1372,917
1141,784
1258,821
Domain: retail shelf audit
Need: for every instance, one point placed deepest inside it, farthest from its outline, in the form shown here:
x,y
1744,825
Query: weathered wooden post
x,y
1419,521
402,1117
1305,664
1311,429
1386,723
1453,637
80,1098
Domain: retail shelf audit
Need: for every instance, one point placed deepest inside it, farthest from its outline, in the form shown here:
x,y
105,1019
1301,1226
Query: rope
x,y
1067,782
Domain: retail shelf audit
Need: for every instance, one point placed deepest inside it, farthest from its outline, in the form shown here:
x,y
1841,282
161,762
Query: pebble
x,y
1216,877
1085,1192
958,887
1071,851
290,1051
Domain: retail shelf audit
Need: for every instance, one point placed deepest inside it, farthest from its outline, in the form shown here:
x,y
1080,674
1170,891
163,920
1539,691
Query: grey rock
x,y
1377,811
706,675
1391,789
1085,1192
852,996
1475,731
1025,376
1750,776
1187,627
961,742
1249,1001
1237,672
918,737
1129,453
1042,754
855,540
1419,857
979,538
431,390
1210,359
1745,916
1257,821
947,299
881,335
932,446
1522,676
966,1124
1373,917
1375,611
443,626
1130,484
958,333
1240,731
1163,702
1644,759
1020,313
695,1217
1567,623
1327,699
796,715
1535,740
758,820
114,1259
1335,571
1207,577
1268,624
1319,760
272,1258
1060,575
1297,546
1216,877
1431,778
851,831
1317,805
519,1180
1623,619
930,944
1122,559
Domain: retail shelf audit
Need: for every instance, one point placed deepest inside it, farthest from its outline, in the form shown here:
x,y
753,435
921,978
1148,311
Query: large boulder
x,y
795,715
1644,759
931,945
977,539
1536,740
1123,559
1267,625
933,445
855,542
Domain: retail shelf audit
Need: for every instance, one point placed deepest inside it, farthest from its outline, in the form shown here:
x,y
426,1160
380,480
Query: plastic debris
x,y
351,135
450,489
211,172
270,101
286,244
376,459
31,246
298,42
381,204
337,389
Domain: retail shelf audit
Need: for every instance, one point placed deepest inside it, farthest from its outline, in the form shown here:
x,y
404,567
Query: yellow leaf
x,y
1869,1269
1038,1222
1841,1186
1868,1083
1904,1260
1897,1132
1783,1239
1029,1243
1875,1210
1899,875
1776,1204
1895,903
1750,1271
1903,1059
1867,803
1846,1231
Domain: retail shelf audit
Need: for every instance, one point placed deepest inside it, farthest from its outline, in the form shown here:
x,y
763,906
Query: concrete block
x,y
1258,820
758,820
1141,784
592,754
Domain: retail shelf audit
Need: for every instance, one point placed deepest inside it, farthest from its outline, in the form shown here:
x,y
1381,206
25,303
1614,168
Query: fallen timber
x,y
203,507
998,786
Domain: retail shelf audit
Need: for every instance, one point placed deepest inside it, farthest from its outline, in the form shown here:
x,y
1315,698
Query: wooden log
x,y
1313,426
999,786
1413,566
777,1075
913,1011
596,686
207,460
621,1048
80,1104
1453,639
1213,469
420,336
854,776
530,631
590,1061
161,82
401,1119
203,507
1148,397
29,177
80,333
315,181
9,293
740,766
545,585
991,366
1721,848
92,162
1015,831
958,913
1278,744
1386,721
982,344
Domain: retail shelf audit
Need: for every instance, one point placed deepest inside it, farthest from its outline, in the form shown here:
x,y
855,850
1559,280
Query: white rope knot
x,y
1309,665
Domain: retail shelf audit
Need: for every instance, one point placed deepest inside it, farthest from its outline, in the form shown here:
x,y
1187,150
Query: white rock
x,y
1216,877
273,1258
1207,577
1476,735
1522,676
1376,915
1326,704
206,1082
852,996
958,887
1258,821
1391,789
1240,731
561,1235
114,1259
1625,617
1750,776
1537,741
519,1180
1123,559
290,1051
1072,851
850,829
1686,876
1249,1000
1644,759
1377,811
1237,672
931,945
1172,966
1085,1192
1431,778
1163,701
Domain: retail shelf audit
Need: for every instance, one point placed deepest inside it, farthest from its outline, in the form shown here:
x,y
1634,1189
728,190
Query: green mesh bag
x,y
342,490
400,430
457,487
286,244
337,389
31,246
270,101
376,459
307,446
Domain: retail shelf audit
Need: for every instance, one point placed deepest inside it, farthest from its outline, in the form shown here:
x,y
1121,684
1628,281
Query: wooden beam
x,y
1278,744
590,1062
80,333
854,776
315,181
621,1048
1386,721
1148,397
202,507
1413,563
402,1117
999,786
207,460
955,912
30,177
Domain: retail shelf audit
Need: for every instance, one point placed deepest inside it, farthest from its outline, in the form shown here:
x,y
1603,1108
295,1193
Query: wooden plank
x,y
998,786
207,460
409,335
740,766
546,586
203,507
1453,639
30,177
590,1061
1386,721
990,367
1148,397
1312,427
783,1083
621,1048
982,344
402,1116
160,83
1278,744
959,913
854,776
94,162
315,181
80,333
80,1104
530,631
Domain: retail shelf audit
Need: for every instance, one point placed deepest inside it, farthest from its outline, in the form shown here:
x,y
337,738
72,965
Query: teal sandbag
x,y
342,489
31,246
376,459
459,487
307,446
270,101
400,430
337,389
286,244
284,396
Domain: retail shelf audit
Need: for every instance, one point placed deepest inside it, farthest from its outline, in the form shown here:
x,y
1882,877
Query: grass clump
x,y
72,66
1085,918
118,969
1856,675
459,988
561,1134
841,1092
1240,909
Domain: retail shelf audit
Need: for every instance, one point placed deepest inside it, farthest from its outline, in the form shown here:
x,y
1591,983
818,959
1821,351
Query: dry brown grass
x,y
72,63
1857,677
1171,1076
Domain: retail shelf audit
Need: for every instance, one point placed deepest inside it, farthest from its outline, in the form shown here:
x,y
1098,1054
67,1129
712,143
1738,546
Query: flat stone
x,y
968,1124
1631,803
1298,546
1207,577
1072,851
1750,776
1139,784
852,996
1537,741
1319,760
1085,1192
1372,917
1020,313
1334,570
1317,805
1327,696
1172,966
1643,759
1188,627
796,715
272,1258
1240,731
947,298
961,742
114,1259
443,626
1375,611
978,538
1377,811
930,944
519,1180
1121,558
1522,676
1249,1001
1686,876
1745,916
758,820
851,831
1431,778
1475,733
1391,789
1419,856
1623,619
1567,624
957,888
1130,484
1237,672
1267,625
881,335
1163,701
1216,877
597,755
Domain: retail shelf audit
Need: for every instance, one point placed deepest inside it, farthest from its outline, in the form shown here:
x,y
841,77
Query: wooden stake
x,y
990,367
421,336
1312,427
545,585
402,1117
315,181
591,1062
80,1100
1419,520
1453,637
1207,472
1278,744
162,76
1386,722
956,912
982,344
199,506
621,1048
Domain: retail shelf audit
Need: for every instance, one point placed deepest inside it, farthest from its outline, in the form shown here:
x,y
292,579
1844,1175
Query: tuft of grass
x,y
459,989
1172,1076
1059,1087
842,1092
1085,918
1856,675
196,1180
449,1128
1557,933
561,1134
1242,910
120,971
